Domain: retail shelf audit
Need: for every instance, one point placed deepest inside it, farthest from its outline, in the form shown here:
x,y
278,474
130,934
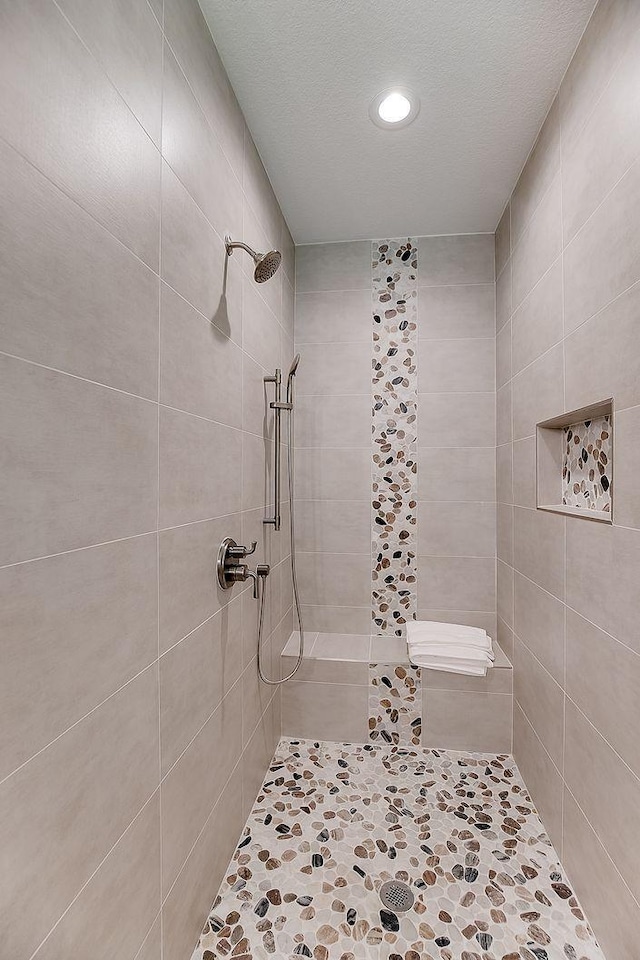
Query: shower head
x,y
266,263
294,366
290,376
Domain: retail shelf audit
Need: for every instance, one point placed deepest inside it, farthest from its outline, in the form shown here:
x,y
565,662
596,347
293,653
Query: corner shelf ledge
x,y
602,516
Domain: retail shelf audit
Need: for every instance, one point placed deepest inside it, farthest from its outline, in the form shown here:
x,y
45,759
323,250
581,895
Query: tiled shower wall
x,y
455,439
133,733
568,308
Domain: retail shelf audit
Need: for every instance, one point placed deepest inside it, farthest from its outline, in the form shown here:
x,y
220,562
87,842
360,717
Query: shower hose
x,y
294,576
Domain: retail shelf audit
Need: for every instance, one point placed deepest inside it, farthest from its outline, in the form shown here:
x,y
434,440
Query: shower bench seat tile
x,y
360,688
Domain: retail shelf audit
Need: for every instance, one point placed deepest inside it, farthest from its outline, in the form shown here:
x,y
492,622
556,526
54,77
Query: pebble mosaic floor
x,y
333,822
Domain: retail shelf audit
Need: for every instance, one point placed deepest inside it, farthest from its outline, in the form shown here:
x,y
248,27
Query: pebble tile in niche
x,y
586,465
333,822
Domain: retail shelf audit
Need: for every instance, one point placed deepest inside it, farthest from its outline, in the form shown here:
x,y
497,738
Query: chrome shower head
x,y
294,366
266,263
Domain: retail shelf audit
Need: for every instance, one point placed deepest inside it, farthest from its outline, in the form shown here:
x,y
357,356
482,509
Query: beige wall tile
x,y
538,322
504,586
539,548
611,335
541,699
540,775
342,579
458,419
466,721
332,618
504,296
603,258
127,42
539,245
524,472
504,416
611,798
603,678
627,467
194,154
459,583
610,29
61,616
51,103
451,311
151,949
79,463
602,577
63,800
321,472
113,912
186,907
457,529
503,355
456,473
194,261
200,368
194,676
606,146
503,240
456,366
505,638
190,40
603,893
196,463
539,622
71,296
504,473
458,259
504,532
331,372
333,526
334,316
261,331
538,392
338,421
193,785
543,163
189,593
325,710
333,266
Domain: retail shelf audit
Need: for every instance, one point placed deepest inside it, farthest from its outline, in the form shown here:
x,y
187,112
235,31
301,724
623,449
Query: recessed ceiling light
x,y
395,108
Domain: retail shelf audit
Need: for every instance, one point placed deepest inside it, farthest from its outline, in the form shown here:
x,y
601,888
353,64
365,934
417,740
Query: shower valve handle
x,y
239,552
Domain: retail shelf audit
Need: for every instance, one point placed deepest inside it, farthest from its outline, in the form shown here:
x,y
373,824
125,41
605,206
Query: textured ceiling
x,y
305,72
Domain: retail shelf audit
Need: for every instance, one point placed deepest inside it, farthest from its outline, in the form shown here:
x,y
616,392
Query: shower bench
x,y
363,689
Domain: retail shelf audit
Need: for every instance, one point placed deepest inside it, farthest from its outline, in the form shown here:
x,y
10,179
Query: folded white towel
x,y
435,626
449,647
465,667
450,651
429,632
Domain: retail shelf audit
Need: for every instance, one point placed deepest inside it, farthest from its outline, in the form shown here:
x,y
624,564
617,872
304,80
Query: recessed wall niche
x,y
574,463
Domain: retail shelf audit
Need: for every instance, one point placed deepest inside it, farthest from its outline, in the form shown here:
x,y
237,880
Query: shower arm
x,y
232,245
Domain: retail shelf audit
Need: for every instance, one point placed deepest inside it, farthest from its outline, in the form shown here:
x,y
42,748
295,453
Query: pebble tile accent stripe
x,y
394,435
586,465
333,822
395,697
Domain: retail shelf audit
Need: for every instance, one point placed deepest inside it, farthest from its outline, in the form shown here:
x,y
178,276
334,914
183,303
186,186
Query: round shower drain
x,y
396,895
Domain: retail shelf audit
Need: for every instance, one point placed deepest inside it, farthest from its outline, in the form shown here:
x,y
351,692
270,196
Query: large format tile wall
x,y
568,307
133,732
455,437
